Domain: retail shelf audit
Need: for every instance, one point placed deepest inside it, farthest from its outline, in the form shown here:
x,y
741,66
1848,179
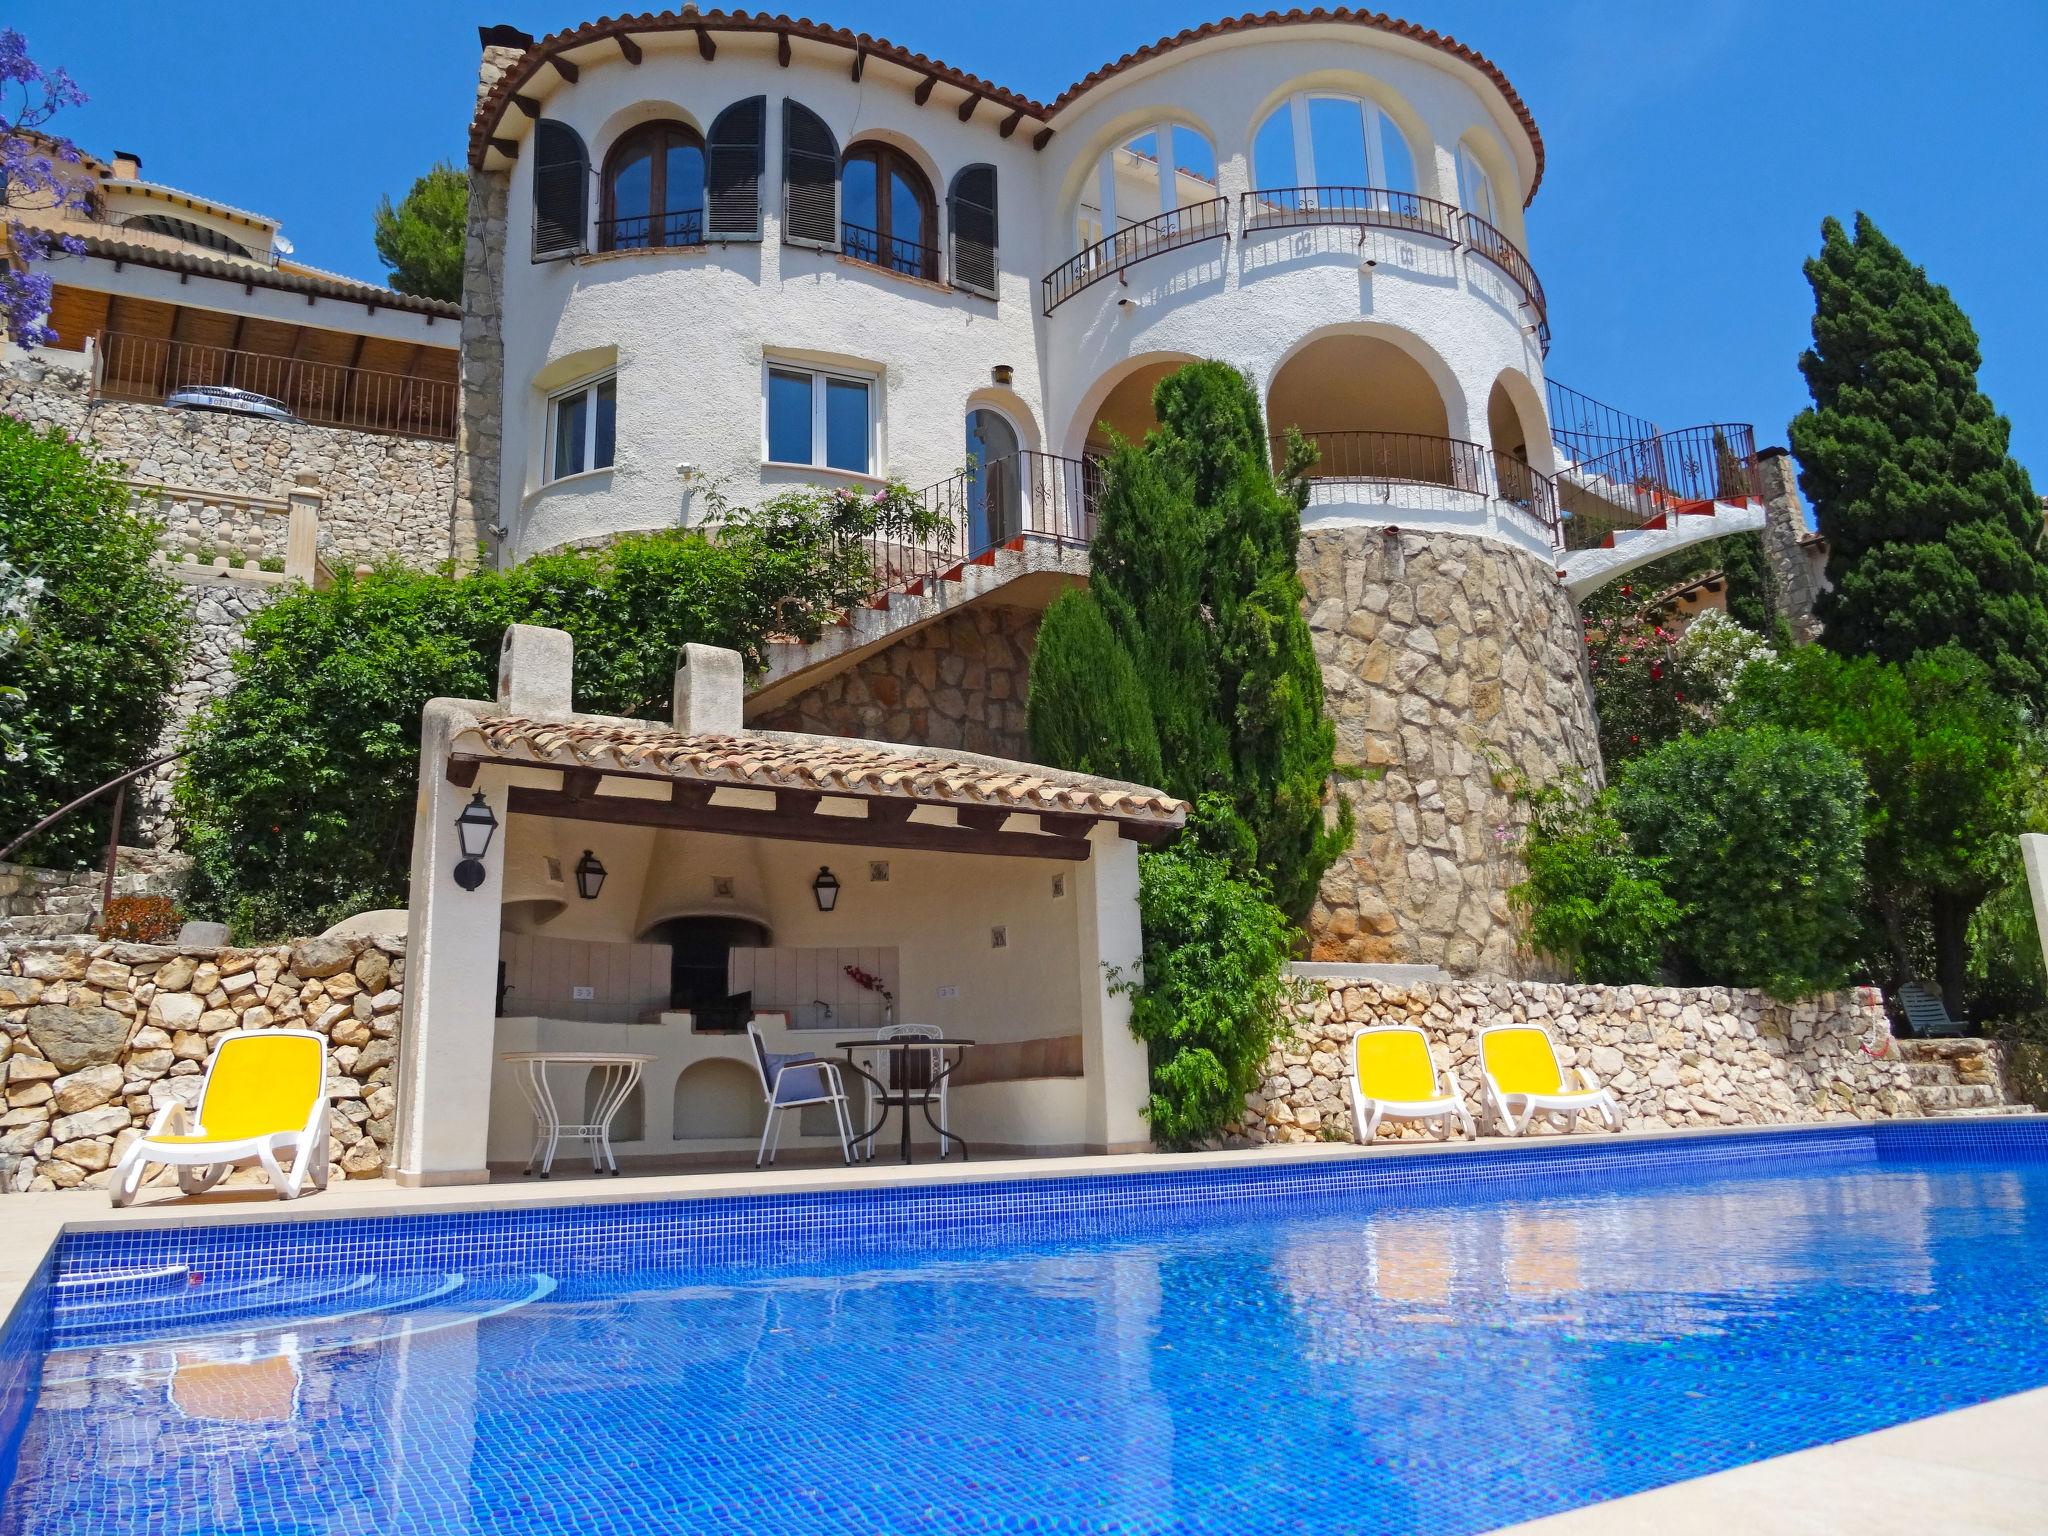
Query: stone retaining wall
x,y
95,1040
1674,1057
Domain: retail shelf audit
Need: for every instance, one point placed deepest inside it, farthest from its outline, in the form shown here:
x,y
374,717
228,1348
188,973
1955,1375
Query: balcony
x,y
1113,255
892,253
1419,477
324,394
678,227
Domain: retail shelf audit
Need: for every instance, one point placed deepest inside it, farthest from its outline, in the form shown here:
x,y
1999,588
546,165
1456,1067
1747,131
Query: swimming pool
x,y
1442,1343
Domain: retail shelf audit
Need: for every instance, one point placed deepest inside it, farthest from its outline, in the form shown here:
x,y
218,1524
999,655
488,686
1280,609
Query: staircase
x,y
1682,524
1957,1079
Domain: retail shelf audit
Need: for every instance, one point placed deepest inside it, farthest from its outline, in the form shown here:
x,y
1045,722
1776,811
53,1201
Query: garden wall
x,y
1441,655
1674,1057
94,1040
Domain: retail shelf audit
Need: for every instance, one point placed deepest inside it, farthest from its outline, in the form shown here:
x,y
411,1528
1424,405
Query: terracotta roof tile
x,y
832,764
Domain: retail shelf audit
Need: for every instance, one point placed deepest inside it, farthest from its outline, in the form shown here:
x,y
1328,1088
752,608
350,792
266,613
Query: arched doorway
x,y
1373,412
1127,409
1521,452
995,486
700,953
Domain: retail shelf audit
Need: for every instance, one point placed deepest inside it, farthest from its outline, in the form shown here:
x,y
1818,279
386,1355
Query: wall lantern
x,y
826,889
1002,373
590,874
474,828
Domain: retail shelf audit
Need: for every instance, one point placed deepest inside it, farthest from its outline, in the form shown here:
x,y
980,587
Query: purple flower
x,y
31,183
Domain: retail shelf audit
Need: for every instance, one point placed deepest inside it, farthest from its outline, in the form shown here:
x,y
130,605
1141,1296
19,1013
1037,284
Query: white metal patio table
x,y
617,1074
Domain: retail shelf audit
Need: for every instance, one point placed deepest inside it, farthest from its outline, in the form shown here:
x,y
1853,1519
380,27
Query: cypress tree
x,y
1087,710
1935,534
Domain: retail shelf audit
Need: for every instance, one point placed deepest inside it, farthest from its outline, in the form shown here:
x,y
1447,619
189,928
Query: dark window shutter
x,y
735,150
561,191
810,179
971,210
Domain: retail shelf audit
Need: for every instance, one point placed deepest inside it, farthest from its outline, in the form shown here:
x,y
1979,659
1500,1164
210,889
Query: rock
x,y
19,991
108,976
104,1121
53,965
175,974
88,1089
29,1069
175,1011
322,958
373,969
89,1155
77,1037
364,1160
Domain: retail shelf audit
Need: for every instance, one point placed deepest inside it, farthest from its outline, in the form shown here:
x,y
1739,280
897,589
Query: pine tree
x,y
1934,531
1088,711
422,240
1194,572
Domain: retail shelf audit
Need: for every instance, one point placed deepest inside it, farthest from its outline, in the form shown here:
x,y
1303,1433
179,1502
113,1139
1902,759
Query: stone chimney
x,y
503,47
127,165
1794,587
536,670
710,690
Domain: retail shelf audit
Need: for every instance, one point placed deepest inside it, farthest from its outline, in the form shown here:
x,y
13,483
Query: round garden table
x,y
617,1072
905,1092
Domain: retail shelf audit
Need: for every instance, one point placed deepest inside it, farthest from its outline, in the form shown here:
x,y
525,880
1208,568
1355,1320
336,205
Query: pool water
x,y
1443,1356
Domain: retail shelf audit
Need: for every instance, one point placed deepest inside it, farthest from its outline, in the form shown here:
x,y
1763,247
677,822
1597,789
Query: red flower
x,y
1656,669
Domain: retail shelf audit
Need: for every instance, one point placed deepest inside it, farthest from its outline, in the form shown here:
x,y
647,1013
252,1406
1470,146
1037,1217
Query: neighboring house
x,y
1678,605
731,249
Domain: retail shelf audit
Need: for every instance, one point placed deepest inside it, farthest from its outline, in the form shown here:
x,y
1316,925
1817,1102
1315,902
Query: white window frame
x,y
820,372
1108,221
1473,175
1376,119
590,387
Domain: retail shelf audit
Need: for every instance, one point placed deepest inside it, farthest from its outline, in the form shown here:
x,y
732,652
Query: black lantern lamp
x,y
474,829
590,874
826,889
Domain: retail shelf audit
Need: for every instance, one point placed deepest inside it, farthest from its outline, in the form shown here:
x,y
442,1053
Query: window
x,y
582,424
822,419
735,151
1153,173
995,486
561,176
886,216
1316,140
971,211
653,189
1475,187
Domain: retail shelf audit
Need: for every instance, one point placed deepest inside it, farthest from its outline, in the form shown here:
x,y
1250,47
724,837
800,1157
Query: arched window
x,y
653,189
736,152
1149,177
1317,140
1475,187
561,191
971,211
886,213
185,230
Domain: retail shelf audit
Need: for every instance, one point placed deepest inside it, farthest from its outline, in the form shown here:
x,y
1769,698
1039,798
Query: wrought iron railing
x,y
1419,462
152,368
1664,475
893,253
1505,254
1113,254
1351,207
640,231
1024,497
1584,428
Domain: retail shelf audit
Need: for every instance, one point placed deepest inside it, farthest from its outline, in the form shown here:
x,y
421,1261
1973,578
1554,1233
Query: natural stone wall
x,y
385,495
49,903
480,433
94,1041
958,682
1441,656
1674,1057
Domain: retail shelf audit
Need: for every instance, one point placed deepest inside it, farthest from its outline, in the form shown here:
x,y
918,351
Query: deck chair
x,y
265,1095
793,1082
1926,1012
1394,1077
1524,1079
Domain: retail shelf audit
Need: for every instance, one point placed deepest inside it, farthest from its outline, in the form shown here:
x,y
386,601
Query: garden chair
x,y
1394,1077
908,1075
265,1096
793,1082
1524,1079
1926,1012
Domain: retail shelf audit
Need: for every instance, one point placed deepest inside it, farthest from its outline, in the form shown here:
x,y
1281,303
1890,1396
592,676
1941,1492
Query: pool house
x,y
590,892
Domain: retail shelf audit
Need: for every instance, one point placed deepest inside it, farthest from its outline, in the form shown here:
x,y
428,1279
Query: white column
x,y
2034,849
449,1027
1113,1062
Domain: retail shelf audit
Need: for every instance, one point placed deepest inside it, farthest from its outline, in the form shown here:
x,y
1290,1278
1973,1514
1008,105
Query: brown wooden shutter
x,y
810,179
734,153
971,211
561,191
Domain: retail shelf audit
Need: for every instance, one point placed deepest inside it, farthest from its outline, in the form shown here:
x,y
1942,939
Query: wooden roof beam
x,y
1010,123
527,105
782,49
564,68
707,50
1042,138
923,93
509,148
967,107
860,63
628,47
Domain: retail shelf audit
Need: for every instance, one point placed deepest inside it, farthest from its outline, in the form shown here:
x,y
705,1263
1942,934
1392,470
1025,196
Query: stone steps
x,y
1956,1079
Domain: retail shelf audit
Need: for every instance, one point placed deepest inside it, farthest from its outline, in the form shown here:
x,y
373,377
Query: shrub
x,y
96,655
1087,710
1209,1004
297,803
1588,900
141,920
1712,656
1759,835
1637,694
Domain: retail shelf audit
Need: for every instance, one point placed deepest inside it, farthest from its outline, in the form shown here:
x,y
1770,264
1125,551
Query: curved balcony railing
x,y
1665,474
1114,254
1350,207
644,231
1035,497
1505,254
1418,461
892,253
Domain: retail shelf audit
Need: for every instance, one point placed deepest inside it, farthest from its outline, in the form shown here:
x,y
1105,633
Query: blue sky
x,y
1693,149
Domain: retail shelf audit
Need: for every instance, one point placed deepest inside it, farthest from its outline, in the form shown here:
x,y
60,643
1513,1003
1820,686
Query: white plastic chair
x,y
884,1065
1393,1076
792,1082
1524,1079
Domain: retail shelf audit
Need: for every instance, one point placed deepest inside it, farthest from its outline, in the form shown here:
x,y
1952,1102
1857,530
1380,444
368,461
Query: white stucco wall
x,y
690,332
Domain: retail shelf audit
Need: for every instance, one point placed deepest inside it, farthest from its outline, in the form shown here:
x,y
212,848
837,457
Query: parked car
x,y
237,402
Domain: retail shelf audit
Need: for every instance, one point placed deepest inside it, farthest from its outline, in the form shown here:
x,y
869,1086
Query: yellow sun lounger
x,y
1394,1077
1524,1079
265,1095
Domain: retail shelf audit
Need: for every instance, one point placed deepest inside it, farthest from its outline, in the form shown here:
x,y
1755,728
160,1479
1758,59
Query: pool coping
x,y
1830,1483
